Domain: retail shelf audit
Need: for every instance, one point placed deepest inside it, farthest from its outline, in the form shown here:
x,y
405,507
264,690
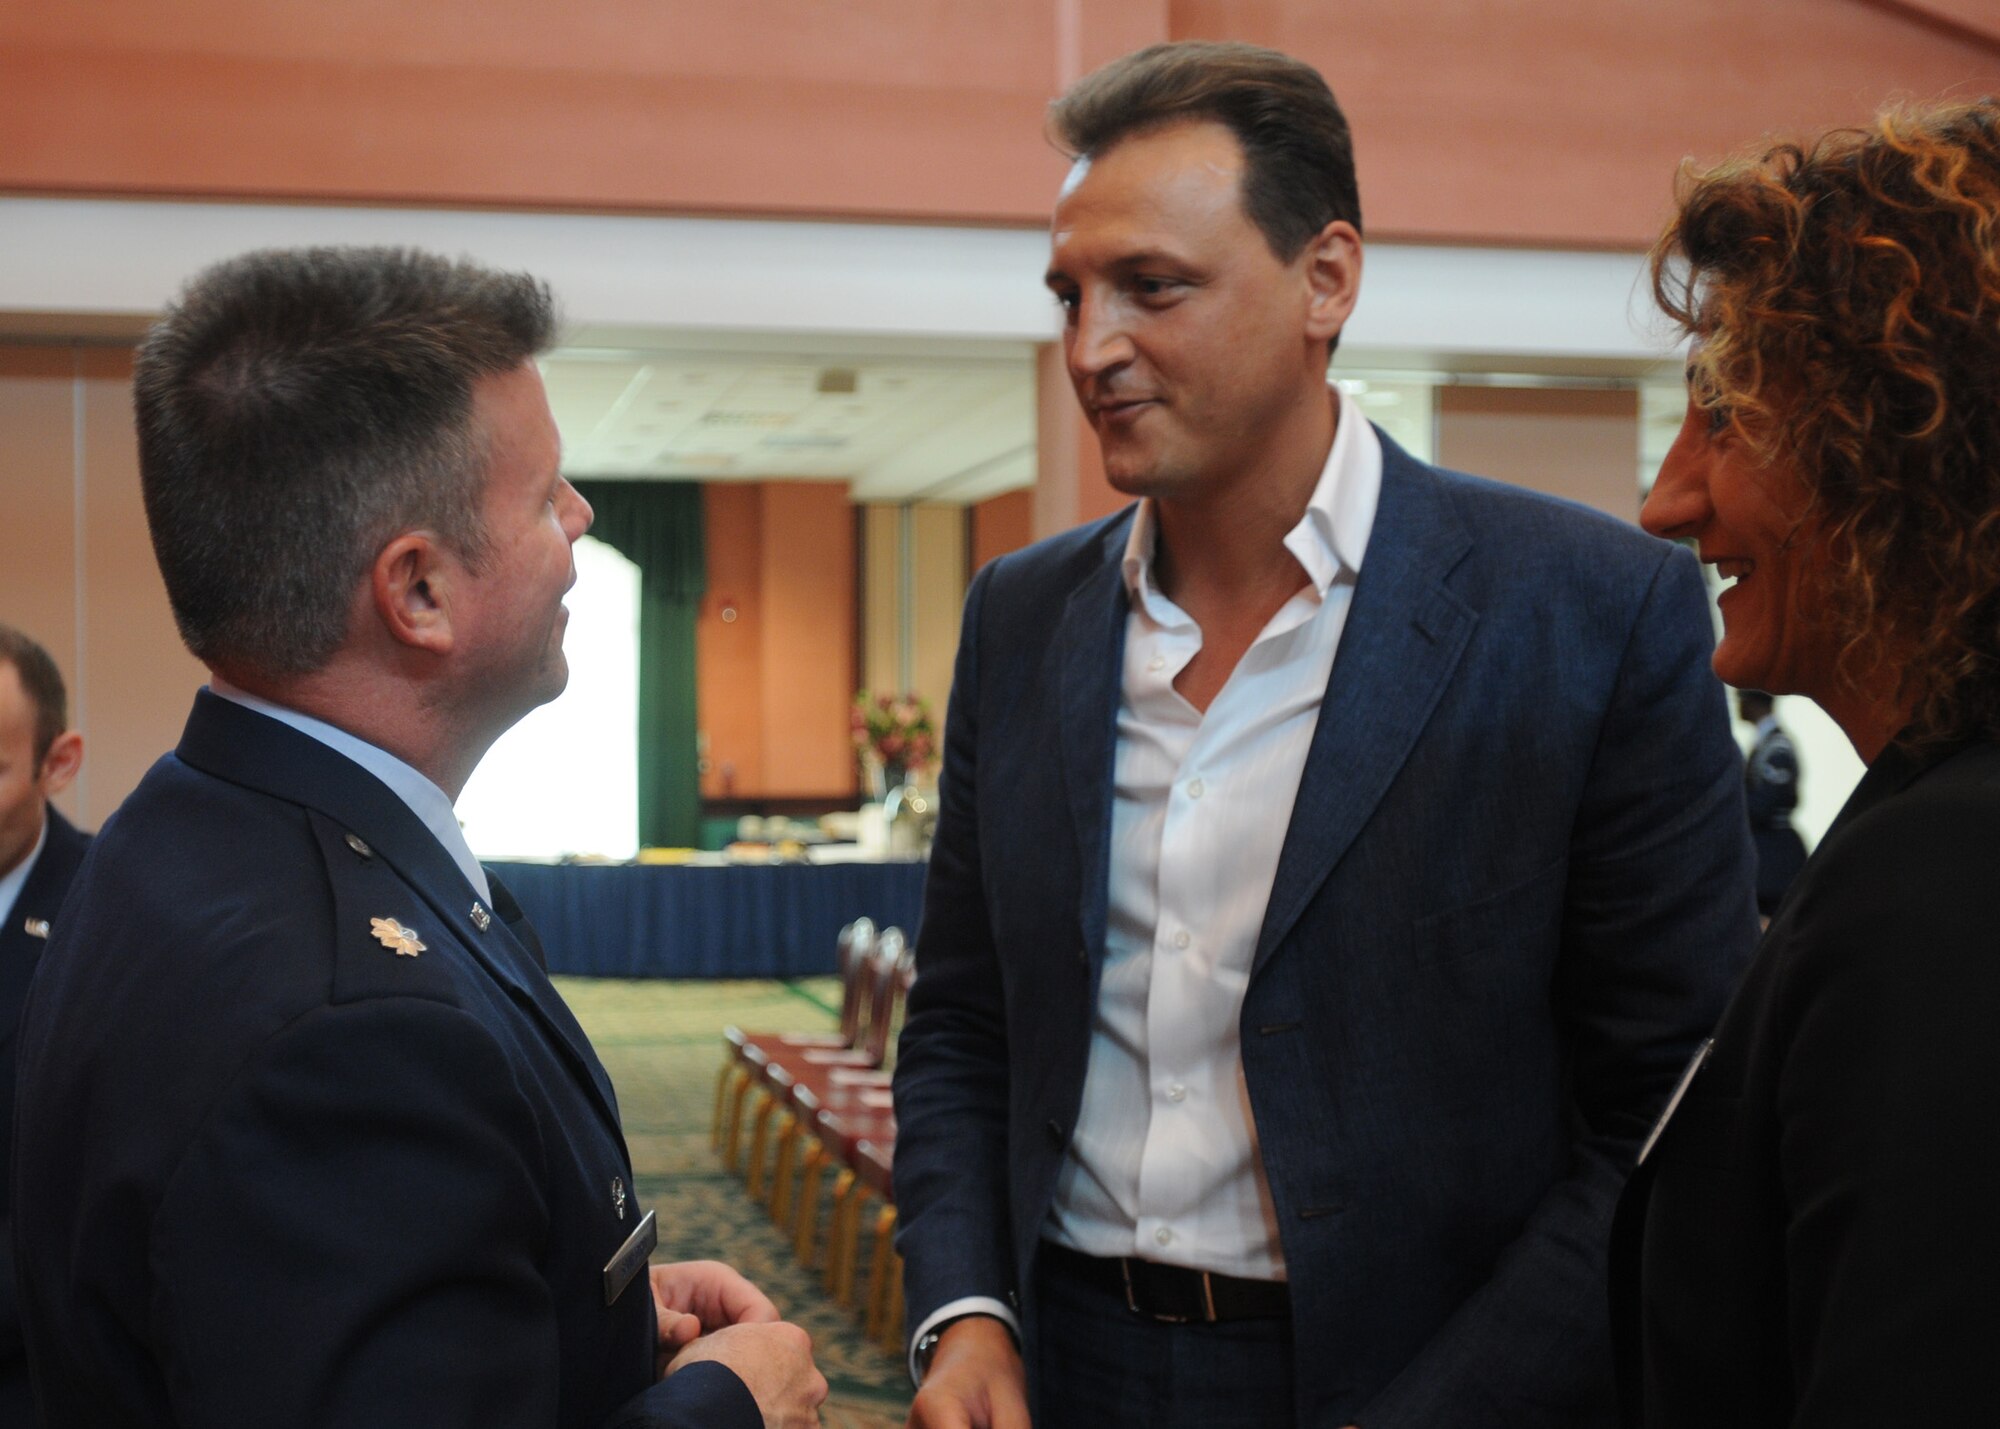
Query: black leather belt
x,y
1173,1294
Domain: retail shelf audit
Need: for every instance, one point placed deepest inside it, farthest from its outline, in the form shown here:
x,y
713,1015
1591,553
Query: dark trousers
x,y
1098,1365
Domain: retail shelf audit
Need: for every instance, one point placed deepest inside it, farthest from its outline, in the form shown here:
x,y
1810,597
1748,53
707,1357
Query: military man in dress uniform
x,y
306,1136
39,852
1771,792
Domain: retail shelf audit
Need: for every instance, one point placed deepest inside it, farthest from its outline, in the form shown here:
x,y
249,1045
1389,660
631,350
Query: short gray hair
x,y
296,409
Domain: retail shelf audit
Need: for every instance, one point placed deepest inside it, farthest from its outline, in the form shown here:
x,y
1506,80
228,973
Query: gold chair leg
x,y
721,1097
783,1166
760,1141
893,1333
845,1189
850,1246
879,1252
733,1139
805,1218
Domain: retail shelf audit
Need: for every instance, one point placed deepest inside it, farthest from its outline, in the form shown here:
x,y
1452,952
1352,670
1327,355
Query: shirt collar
x,y
1330,538
424,799
17,878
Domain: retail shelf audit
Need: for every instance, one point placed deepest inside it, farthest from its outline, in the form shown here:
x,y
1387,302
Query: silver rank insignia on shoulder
x,y
618,1196
393,935
481,919
360,845
36,927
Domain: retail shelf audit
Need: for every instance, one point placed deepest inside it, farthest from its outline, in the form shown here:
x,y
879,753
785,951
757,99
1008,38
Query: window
x,y
565,780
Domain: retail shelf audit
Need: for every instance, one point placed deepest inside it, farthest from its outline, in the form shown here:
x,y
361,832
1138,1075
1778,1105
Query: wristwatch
x,y
927,1343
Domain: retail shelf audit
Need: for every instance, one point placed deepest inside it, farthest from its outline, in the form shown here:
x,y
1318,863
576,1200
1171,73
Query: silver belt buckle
x,y
1132,1300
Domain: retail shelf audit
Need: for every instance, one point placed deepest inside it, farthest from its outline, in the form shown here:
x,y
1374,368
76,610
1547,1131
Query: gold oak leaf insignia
x,y
393,935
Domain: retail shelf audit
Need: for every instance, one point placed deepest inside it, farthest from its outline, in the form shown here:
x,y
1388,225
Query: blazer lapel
x,y
1404,635
1090,645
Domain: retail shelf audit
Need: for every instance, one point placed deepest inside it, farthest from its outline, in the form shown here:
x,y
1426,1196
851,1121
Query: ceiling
x,y
949,426
901,419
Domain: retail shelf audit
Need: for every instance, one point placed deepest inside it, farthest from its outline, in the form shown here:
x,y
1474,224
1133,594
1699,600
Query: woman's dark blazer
x,y
1814,1239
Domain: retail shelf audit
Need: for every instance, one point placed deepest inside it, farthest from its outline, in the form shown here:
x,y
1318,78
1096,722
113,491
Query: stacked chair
x,y
819,1102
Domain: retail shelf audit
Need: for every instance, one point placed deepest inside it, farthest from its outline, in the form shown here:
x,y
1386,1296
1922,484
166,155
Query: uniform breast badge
x,y
404,942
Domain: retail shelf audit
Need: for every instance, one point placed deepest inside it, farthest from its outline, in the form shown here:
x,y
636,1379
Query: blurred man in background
x,y
39,854
1770,794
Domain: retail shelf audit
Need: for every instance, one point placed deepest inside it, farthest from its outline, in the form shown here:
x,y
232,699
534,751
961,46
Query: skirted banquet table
x,y
708,920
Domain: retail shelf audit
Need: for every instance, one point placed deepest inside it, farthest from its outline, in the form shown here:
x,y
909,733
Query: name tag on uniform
x,y
1674,1101
631,1259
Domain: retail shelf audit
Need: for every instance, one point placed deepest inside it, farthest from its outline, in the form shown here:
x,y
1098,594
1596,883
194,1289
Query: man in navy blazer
x,y
305,1135
39,852
1338,856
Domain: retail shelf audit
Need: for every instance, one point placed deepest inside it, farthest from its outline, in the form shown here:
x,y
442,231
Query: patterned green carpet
x,y
662,1042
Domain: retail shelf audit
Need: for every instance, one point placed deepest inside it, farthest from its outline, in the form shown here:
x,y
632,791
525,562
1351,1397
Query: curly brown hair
x,y
1844,298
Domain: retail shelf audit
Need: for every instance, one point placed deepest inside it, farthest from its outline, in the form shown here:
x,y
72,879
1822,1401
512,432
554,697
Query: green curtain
x,y
657,525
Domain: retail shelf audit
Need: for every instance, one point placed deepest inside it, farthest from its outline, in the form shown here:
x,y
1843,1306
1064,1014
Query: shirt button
x,y
1162,1236
1181,939
1176,1093
1158,662
1194,789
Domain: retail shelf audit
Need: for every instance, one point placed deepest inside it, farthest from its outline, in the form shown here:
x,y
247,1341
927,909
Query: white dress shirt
x,y
428,802
16,877
1163,1163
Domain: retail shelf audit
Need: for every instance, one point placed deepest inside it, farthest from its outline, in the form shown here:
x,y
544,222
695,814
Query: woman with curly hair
x,y
1813,1235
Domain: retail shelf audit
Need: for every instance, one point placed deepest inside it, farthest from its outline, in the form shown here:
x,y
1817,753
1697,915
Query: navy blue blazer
x,y
1812,1240
270,1170
21,942
1513,895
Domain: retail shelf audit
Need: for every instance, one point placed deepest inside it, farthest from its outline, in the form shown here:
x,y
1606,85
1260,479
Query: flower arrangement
x,y
897,731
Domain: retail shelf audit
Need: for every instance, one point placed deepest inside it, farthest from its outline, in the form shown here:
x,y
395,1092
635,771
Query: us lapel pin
x,y
36,927
391,934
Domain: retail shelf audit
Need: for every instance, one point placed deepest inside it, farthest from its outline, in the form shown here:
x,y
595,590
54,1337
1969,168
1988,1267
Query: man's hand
x,y
975,1381
774,1361
693,1297
710,1291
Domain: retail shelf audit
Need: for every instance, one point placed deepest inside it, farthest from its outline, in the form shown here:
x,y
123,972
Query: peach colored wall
x,y
1578,443
1001,524
886,107
938,579
729,655
91,594
1539,121
808,639
772,687
1553,122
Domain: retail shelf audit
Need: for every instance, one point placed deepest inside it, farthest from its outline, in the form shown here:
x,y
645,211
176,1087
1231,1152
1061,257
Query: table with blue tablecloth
x,y
691,920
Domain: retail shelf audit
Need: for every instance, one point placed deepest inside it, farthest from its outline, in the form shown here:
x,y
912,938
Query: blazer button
x,y
1055,1134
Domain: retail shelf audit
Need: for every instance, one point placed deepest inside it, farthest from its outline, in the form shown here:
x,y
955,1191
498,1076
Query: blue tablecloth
x,y
772,920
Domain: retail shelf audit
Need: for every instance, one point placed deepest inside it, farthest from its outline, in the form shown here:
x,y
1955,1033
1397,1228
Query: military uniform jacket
x,y
277,1165
21,942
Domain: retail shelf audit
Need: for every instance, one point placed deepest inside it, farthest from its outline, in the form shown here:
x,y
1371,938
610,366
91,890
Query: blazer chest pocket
x,y
1501,938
